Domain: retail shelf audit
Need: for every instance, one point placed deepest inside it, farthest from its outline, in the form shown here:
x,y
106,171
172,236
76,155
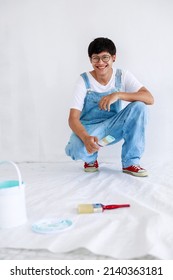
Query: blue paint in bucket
x,y
9,184
12,201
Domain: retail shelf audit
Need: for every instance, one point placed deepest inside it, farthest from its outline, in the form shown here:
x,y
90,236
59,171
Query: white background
x,y
43,50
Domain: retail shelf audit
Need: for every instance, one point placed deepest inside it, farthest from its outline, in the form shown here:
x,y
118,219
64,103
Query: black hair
x,y
101,44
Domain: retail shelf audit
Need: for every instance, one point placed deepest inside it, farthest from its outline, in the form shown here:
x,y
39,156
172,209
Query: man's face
x,y
102,62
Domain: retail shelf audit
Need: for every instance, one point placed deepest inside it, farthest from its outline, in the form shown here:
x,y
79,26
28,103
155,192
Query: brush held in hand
x,y
98,207
106,140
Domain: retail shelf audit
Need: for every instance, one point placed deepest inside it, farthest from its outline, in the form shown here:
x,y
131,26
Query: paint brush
x,y
98,207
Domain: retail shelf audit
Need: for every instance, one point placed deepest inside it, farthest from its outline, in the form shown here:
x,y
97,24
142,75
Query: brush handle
x,y
114,206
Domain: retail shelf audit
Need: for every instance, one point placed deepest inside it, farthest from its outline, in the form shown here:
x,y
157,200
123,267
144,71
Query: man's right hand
x,y
91,144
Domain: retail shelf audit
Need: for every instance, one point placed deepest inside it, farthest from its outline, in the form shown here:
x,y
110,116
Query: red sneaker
x,y
135,170
91,167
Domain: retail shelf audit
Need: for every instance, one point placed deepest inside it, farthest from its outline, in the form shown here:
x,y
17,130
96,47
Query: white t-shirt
x,y
128,81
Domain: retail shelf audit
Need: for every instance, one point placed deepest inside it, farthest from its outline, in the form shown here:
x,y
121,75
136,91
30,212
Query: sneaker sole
x,y
91,169
143,174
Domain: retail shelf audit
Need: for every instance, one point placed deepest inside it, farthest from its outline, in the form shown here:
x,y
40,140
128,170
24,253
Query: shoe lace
x,y
136,167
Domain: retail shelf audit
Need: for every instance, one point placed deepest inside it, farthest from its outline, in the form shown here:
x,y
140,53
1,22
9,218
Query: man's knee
x,y
75,147
138,105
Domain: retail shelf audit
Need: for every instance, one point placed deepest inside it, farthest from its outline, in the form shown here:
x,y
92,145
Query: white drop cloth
x,y
55,190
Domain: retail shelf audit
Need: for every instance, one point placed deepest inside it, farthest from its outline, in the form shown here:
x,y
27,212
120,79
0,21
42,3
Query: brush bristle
x,y
89,208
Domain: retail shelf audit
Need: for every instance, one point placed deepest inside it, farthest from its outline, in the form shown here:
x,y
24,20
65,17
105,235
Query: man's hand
x,y
106,101
91,145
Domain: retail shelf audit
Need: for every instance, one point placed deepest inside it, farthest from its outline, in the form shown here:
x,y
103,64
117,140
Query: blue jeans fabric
x,y
128,124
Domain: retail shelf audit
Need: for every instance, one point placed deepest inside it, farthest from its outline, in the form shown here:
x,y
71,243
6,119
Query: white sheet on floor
x,y
56,189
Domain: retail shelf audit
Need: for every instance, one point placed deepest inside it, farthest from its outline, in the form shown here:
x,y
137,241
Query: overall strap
x,y
86,80
118,79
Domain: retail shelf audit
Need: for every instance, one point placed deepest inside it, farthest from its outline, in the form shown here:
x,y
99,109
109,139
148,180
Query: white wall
x,y
43,49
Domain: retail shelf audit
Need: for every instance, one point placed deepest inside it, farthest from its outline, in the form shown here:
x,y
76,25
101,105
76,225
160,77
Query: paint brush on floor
x,y
98,207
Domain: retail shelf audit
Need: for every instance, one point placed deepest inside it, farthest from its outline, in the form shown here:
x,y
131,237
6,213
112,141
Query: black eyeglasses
x,y
104,58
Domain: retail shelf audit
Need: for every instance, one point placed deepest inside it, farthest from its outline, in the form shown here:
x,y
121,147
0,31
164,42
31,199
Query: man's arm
x,y
142,95
80,131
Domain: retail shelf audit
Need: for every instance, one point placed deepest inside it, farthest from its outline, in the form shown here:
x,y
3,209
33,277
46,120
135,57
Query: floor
x,y
49,186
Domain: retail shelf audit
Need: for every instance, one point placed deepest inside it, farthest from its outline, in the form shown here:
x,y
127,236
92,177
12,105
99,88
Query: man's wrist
x,y
119,94
84,137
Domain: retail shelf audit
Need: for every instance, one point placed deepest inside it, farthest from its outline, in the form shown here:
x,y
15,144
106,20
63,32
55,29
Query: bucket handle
x,y
17,169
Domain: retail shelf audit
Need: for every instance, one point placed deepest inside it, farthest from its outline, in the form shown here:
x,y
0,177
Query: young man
x,y
96,111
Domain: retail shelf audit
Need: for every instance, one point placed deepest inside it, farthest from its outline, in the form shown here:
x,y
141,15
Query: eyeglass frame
x,y
98,58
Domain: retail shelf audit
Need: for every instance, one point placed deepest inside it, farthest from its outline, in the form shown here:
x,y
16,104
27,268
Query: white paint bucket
x,y
12,201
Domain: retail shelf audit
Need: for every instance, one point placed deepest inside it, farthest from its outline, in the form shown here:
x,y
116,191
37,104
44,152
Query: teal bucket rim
x,y
17,170
9,184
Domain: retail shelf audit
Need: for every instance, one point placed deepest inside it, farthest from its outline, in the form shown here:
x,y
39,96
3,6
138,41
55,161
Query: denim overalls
x,y
128,124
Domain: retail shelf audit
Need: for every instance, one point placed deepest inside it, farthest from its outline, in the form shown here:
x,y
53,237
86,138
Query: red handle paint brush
x,y
98,207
